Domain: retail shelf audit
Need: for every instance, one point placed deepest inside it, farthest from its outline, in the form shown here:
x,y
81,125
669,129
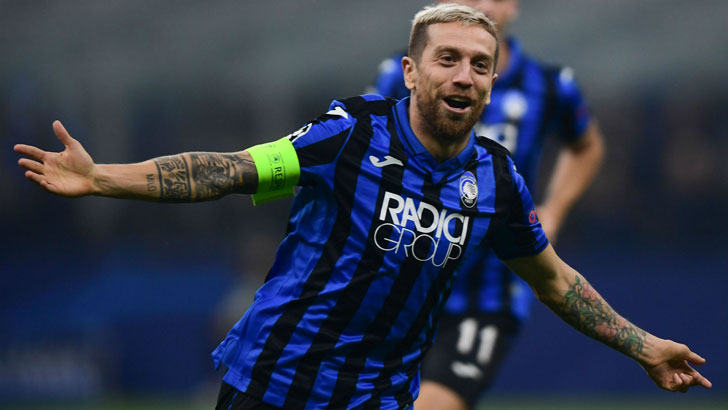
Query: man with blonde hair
x,y
392,196
530,102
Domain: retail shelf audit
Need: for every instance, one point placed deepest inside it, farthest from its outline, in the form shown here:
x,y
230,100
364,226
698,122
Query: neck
x,y
440,148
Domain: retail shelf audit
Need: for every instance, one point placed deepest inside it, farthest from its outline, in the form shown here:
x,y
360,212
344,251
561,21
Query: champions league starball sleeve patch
x,y
532,217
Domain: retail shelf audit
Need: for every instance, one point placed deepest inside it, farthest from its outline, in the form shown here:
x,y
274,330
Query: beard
x,y
446,125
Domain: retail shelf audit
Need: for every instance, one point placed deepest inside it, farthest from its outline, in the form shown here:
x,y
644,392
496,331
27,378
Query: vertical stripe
x,y
506,276
503,190
344,179
382,324
549,102
436,298
353,294
393,362
232,401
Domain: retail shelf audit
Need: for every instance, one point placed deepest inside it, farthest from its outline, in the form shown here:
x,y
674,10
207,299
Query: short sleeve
x,y
572,112
320,142
390,79
518,232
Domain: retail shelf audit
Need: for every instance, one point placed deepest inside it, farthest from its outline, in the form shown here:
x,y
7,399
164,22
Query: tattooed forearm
x,y
203,176
587,311
215,175
174,179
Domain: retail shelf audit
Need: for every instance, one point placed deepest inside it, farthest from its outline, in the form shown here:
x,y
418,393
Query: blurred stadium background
x,y
112,304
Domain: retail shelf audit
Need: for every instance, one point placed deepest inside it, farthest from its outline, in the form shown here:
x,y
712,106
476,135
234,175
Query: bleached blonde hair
x,y
446,13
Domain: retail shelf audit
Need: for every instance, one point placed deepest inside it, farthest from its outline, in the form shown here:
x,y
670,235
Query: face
x,y
451,83
502,12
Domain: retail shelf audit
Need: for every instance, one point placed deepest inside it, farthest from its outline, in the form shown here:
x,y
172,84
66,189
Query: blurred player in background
x,y
393,194
488,304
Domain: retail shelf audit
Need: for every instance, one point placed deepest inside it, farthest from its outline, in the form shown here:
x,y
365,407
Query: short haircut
x,y
446,13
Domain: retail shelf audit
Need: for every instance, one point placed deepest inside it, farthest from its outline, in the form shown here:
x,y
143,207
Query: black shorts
x,y
231,398
468,352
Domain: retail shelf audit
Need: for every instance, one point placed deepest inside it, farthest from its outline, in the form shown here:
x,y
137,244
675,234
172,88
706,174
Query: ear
x,y
409,68
492,82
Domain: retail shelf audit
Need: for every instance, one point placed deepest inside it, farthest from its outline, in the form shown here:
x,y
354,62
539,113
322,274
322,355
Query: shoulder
x,y
563,77
363,105
555,72
500,162
491,147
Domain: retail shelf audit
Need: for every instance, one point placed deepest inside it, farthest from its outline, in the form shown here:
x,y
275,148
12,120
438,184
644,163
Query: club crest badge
x,y
468,189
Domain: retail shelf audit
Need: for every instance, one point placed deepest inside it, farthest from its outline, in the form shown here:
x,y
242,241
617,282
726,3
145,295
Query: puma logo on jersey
x,y
388,160
466,370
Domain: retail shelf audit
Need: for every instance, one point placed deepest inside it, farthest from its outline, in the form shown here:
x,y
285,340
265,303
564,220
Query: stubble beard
x,y
444,125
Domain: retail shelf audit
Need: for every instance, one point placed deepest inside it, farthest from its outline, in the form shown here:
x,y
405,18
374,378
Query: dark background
x,y
103,298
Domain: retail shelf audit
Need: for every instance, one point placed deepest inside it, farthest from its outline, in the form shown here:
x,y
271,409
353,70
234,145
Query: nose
x,y
463,76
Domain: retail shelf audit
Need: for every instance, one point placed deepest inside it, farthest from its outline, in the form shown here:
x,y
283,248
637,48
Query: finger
x,y
695,358
31,165
686,378
677,380
40,180
28,150
700,380
37,178
62,134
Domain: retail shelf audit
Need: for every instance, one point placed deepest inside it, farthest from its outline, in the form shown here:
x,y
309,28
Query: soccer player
x,y
488,303
392,196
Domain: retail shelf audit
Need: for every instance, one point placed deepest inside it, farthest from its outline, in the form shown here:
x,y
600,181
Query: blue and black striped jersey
x,y
377,230
529,101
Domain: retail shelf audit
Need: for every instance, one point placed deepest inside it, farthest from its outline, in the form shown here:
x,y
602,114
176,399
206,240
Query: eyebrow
x,y
477,57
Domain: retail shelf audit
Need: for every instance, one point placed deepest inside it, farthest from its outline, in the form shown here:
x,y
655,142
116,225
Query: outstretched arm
x,y
575,169
196,176
569,295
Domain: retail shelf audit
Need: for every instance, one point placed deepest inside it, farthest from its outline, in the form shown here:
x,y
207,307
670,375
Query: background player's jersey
x,y
376,231
528,102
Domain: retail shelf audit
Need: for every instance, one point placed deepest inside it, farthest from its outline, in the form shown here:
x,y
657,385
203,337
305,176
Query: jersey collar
x,y
420,153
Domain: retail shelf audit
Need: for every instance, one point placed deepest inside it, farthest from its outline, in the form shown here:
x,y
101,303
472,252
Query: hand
x,y
672,370
68,173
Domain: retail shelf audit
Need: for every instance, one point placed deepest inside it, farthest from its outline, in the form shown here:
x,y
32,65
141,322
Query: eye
x,y
481,67
447,59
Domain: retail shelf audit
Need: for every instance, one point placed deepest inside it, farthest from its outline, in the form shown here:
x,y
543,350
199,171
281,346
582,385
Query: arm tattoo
x,y
207,176
174,179
216,175
151,183
588,312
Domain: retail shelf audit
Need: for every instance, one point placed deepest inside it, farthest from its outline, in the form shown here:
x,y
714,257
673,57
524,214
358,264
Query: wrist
x,y
649,356
99,180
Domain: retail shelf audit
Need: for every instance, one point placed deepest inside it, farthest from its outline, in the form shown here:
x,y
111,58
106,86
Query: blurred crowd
x,y
100,296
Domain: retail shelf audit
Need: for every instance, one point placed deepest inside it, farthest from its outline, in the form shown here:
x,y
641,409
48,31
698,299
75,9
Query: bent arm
x,y
568,294
195,176
575,169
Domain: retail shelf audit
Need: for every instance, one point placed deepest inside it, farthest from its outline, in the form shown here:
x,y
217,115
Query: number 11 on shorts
x,y
468,335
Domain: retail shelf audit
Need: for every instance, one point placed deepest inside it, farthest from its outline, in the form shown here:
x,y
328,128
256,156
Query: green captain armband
x,y
278,170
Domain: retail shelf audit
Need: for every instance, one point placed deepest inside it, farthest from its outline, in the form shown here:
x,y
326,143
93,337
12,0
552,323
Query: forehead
x,y
470,39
